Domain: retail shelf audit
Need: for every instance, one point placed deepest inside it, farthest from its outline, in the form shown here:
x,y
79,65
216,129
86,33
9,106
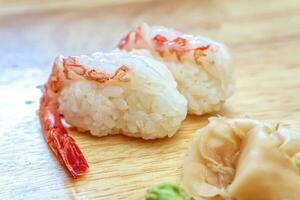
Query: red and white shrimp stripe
x,y
167,42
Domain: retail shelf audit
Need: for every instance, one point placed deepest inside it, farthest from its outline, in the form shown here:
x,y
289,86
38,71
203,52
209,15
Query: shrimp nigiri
x,y
200,65
108,93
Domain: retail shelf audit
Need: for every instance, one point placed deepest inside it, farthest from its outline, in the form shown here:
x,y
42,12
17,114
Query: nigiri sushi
x,y
108,93
243,159
200,65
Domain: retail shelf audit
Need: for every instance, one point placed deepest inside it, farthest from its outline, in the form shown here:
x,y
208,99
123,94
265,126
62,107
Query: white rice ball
x,y
143,103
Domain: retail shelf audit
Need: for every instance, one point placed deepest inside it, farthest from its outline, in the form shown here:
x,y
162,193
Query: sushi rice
x,y
147,104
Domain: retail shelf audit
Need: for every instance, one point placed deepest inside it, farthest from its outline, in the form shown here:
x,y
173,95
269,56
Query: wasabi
x,y
166,191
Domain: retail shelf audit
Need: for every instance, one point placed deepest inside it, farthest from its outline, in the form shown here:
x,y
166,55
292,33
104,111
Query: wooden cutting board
x,y
264,38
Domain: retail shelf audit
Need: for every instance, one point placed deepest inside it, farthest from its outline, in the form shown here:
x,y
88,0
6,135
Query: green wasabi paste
x,y
166,191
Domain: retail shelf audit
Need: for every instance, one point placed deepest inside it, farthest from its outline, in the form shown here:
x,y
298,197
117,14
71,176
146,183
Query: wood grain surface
x,y
263,36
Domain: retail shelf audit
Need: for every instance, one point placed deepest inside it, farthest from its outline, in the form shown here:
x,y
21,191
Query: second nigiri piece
x,y
200,65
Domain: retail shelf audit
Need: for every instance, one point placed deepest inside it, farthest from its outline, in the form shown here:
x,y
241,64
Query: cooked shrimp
x,y
108,93
200,66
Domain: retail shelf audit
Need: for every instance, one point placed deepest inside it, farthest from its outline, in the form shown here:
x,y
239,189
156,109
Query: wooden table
x,y
264,38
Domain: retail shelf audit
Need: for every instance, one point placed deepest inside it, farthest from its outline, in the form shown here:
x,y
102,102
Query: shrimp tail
x,y
62,145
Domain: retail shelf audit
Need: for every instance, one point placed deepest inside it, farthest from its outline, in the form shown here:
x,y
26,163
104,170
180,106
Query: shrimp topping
x,y
178,44
55,134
